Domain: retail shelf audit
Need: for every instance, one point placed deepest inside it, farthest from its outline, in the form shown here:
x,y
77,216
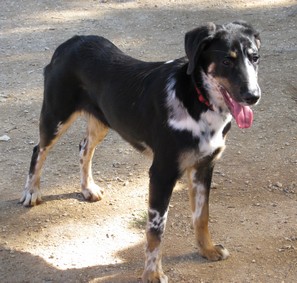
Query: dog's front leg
x,y
200,181
153,272
159,195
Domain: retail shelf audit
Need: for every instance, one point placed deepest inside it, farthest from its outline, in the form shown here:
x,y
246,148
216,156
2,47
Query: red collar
x,y
202,99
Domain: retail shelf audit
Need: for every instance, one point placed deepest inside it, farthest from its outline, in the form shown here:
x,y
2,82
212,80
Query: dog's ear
x,y
257,39
195,42
251,31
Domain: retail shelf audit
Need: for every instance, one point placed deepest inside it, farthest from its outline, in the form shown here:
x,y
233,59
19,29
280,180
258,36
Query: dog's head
x,y
227,58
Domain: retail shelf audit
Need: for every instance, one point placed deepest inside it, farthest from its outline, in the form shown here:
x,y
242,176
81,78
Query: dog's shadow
x,y
28,266
75,195
31,266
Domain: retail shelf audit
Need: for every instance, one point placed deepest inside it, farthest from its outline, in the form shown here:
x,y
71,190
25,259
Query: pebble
x,y
214,186
4,138
116,165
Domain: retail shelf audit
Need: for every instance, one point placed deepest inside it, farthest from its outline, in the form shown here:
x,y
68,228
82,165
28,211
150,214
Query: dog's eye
x,y
227,62
255,58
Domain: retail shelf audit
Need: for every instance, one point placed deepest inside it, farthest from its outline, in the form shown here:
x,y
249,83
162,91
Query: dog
x,y
181,110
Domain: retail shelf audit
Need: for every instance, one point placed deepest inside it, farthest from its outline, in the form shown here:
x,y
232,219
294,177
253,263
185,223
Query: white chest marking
x,y
212,137
208,128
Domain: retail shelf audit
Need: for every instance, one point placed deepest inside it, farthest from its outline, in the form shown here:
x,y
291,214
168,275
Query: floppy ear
x,y
250,30
257,39
195,41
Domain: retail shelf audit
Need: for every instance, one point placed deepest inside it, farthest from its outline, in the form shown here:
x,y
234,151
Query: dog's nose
x,y
251,97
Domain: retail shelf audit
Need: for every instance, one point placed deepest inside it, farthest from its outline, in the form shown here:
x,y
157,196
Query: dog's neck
x,y
202,99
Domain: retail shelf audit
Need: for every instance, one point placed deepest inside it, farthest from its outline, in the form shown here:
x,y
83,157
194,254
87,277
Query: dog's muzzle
x,y
250,97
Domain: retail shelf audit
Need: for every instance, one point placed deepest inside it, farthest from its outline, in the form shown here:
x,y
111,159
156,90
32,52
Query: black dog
x,y
181,110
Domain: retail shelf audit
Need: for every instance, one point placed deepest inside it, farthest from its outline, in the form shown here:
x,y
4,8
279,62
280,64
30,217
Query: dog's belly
x,y
142,147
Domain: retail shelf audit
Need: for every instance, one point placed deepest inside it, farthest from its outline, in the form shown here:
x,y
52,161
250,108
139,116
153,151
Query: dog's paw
x,y
93,192
154,277
30,197
217,252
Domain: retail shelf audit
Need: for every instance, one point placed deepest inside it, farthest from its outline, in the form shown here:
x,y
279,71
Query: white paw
x,y
31,197
92,192
215,253
224,252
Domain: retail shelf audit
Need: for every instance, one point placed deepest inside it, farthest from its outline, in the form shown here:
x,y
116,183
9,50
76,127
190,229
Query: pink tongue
x,y
243,115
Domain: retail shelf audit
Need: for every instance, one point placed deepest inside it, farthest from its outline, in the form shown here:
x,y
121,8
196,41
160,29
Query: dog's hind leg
x,y
200,181
50,128
96,132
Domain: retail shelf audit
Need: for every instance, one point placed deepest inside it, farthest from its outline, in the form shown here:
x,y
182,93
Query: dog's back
x,y
92,75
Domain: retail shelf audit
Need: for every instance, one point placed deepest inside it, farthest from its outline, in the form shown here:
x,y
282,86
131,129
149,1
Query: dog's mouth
x,y
243,115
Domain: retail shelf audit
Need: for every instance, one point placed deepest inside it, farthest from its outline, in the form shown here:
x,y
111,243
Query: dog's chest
x,y
208,131
211,136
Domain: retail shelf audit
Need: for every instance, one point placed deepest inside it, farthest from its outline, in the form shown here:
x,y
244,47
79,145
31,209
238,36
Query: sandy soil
x,y
65,239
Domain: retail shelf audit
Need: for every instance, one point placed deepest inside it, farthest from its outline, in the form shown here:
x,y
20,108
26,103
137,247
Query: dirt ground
x,y
254,196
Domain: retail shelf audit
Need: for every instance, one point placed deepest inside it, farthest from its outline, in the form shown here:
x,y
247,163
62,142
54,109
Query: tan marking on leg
x,y
61,129
200,210
32,195
96,132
